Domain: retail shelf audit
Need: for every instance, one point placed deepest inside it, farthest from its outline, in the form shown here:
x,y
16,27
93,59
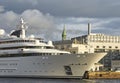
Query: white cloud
x,y
1,8
50,27
38,22
37,19
7,20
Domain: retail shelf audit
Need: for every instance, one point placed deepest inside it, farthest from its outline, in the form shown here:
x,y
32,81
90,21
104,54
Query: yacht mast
x,y
22,28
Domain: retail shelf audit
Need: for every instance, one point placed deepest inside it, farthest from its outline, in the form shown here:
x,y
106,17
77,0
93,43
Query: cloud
x,y
50,27
37,19
67,8
1,8
78,26
39,24
7,20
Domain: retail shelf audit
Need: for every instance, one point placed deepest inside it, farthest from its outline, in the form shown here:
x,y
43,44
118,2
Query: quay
x,y
102,75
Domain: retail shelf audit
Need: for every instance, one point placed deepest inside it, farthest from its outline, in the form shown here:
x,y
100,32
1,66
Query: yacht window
x,y
4,48
16,41
61,53
43,53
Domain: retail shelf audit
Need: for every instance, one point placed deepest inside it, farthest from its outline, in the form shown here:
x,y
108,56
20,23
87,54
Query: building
x,y
115,65
93,42
103,43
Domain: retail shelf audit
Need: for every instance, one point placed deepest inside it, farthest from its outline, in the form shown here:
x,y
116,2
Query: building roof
x,y
63,42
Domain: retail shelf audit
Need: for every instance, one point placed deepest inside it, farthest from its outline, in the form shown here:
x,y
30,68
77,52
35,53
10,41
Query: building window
x,y
116,46
110,47
103,46
73,52
97,46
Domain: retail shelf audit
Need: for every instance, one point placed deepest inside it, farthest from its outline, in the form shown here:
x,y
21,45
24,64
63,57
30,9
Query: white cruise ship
x,y
22,56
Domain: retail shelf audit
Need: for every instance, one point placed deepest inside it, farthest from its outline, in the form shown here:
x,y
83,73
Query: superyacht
x,y
22,56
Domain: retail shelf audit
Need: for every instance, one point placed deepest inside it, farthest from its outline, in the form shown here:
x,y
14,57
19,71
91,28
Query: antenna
x,y
22,28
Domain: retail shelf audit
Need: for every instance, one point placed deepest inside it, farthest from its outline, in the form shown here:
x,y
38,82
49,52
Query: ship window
x,y
43,54
13,64
4,48
48,47
11,71
16,41
25,54
62,53
40,54
4,70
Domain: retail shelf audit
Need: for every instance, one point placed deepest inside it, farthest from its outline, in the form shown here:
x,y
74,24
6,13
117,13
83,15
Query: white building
x,y
100,42
73,46
90,43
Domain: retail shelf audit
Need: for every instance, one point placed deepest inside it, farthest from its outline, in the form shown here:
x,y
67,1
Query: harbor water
x,y
38,80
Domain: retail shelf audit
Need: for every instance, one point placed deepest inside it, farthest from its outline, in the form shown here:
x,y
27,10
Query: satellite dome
x,y
2,31
50,43
32,36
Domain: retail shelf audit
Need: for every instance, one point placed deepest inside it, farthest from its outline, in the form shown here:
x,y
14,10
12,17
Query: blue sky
x,y
46,18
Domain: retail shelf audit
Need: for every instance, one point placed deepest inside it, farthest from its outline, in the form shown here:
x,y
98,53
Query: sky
x,y
46,18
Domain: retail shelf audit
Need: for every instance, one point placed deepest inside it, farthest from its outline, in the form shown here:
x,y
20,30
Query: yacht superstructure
x,y
22,56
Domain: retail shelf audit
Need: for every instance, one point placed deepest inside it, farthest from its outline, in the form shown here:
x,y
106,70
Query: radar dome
x,y
32,36
50,43
2,32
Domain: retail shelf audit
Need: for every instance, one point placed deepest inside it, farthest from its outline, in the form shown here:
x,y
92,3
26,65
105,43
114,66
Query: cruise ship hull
x,y
49,66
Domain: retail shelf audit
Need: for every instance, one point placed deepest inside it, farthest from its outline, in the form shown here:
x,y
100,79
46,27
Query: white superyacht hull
x,y
48,66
